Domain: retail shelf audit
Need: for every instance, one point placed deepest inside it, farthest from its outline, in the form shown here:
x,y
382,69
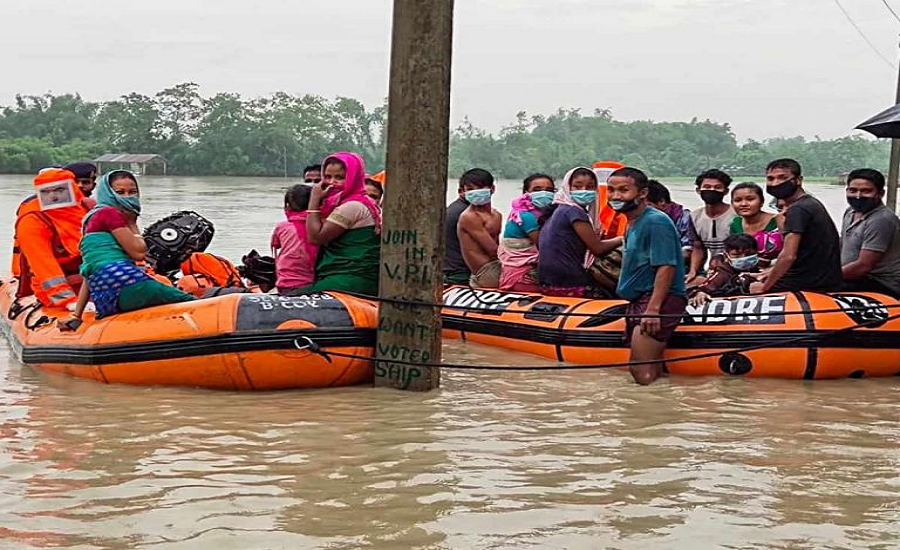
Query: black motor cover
x,y
172,239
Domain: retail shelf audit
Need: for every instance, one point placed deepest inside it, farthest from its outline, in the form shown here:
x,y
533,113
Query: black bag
x,y
258,269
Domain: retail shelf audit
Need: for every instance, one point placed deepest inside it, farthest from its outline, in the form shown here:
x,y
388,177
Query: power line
x,y
890,9
863,35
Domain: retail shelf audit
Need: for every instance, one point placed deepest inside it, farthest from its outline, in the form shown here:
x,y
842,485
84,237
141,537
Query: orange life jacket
x,y
195,285
216,270
613,223
30,204
48,236
46,267
380,177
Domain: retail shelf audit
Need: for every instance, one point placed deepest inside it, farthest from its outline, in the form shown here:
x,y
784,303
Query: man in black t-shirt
x,y
811,257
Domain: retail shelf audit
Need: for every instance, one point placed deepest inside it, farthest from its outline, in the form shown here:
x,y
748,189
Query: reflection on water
x,y
492,460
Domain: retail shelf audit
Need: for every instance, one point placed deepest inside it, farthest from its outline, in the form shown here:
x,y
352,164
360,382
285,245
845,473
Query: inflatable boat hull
x,y
797,338
234,342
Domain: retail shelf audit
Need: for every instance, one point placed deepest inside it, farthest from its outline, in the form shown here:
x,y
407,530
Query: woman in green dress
x,y
346,224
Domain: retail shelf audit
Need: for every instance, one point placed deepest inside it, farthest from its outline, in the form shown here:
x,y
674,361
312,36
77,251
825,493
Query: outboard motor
x,y
171,240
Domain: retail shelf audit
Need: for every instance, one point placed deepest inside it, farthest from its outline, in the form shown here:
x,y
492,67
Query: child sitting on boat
x,y
731,271
295,256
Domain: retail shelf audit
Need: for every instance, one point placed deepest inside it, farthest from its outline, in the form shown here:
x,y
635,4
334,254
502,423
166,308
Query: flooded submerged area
x,y
574,459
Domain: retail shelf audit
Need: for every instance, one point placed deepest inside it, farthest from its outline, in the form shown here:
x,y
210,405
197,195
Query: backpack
x,y
217,271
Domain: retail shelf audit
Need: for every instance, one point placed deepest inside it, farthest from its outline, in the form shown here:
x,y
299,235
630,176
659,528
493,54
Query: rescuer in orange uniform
x,y
85,178
48,230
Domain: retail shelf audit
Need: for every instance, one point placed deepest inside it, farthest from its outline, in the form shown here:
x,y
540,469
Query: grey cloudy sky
x,y
769,67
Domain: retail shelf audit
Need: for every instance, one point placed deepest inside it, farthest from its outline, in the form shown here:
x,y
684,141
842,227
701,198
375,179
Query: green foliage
x,y
222,135
567,138
280,134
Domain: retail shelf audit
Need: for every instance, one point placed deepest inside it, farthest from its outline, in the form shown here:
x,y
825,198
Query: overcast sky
x,y
768,67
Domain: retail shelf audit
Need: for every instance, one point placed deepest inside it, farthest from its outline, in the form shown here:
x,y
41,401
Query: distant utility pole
x,y
412,239
894,166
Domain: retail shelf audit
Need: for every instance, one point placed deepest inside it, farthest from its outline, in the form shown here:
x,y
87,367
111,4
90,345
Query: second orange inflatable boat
x,y
801,334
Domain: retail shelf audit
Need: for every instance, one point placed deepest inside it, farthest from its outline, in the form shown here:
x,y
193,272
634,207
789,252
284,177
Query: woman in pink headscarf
x,y
346,224
518,251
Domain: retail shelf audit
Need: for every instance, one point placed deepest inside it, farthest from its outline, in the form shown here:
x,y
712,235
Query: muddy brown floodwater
x,y
491,460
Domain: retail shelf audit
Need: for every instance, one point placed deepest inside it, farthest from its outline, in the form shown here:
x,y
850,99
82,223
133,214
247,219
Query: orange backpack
x,y
215,270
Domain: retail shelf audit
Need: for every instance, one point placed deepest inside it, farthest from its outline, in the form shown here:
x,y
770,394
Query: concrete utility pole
x,y
412,239
894,166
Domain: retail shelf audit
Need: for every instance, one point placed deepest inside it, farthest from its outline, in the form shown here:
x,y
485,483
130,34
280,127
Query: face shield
x,y
56,194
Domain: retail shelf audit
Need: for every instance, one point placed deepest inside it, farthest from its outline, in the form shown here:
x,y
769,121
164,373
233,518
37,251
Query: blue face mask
x,y
745,263
541,199
132,203
479,197
584,197
107,197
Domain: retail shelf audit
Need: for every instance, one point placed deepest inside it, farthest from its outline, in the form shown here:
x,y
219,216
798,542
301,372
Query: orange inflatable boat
x,y
801,335
232,342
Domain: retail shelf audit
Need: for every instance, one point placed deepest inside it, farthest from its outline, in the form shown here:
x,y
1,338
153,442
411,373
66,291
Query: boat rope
x,y
304,342
488,305
39,322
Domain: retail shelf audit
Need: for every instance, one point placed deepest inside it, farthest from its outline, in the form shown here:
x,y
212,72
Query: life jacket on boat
x,y
47,232
202,271
30,204
613,222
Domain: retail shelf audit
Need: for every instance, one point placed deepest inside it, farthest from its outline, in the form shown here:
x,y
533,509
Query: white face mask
x,y
56,194
479,197
744,263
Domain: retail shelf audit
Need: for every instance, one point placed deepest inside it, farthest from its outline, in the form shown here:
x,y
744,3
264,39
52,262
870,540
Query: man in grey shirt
x,y
870,237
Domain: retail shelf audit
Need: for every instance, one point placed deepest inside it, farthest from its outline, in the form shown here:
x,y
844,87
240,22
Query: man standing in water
x,y
652,276
811,257
479,230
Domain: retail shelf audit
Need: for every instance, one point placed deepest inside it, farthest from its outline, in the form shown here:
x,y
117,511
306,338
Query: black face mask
x,y
624,206
711,196
783,190
863,204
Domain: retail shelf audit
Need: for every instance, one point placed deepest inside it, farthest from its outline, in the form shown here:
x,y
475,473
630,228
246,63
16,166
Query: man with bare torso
x,y
479,229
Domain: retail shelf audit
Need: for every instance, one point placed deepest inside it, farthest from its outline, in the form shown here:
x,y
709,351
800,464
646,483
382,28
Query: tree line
x,y
226,134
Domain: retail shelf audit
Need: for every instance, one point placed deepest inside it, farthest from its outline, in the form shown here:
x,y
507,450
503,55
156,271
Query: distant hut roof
x,y
128,158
